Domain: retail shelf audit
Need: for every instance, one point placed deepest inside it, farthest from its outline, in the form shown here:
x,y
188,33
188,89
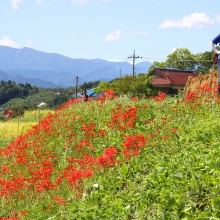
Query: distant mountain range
x,y
50,70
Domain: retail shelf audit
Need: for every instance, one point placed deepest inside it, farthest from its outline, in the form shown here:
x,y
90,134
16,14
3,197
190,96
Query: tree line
x,y
20,97
10,90
180,59
183,59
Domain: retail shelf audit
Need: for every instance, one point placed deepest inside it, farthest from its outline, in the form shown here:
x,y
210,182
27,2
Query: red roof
x,y
170,77
8,113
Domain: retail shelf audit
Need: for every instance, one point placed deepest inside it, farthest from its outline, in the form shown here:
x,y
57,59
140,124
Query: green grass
x,y
176,176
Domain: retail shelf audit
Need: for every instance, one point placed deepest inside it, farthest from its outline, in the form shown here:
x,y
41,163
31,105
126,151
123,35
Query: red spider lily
x,y
102,132
129,153
165,137
5,169
191,96
134,141
84,144
150,136
134,99
108,158
109,93
41,168
59,200
23,213
89,129
161,97
174,130
73,175
11,218
124,119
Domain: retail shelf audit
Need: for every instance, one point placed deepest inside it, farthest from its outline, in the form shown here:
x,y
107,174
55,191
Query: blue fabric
x,y
218,67
216,40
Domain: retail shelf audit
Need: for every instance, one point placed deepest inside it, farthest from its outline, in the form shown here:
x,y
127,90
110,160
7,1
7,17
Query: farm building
x,y
7,113
91,94
170,80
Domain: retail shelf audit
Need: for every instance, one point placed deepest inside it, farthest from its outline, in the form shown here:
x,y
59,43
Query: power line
x,y
150,58
104,69
134,57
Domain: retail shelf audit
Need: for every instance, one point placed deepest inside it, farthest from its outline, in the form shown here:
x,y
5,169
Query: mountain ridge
x,y
58,70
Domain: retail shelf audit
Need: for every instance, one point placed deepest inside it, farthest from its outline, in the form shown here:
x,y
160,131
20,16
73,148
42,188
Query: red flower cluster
x,y
124,118
132,145
161,97
31,164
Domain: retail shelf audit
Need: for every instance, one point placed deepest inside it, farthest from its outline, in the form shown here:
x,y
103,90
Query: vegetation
x,y
20,97
183,59
10,129
122,156
117,158
135,86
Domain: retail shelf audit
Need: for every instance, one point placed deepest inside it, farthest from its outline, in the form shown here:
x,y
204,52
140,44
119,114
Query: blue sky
x,y
110,29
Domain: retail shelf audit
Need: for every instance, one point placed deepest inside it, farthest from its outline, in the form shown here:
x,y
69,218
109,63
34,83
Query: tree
x,y
156,64
183,59
102,86
135,86
205,61
180,59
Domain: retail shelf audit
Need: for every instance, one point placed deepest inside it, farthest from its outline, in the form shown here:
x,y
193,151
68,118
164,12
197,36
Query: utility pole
x,y
76,85
134,57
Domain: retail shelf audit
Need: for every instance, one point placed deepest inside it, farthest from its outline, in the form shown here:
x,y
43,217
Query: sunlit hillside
x,y
116,158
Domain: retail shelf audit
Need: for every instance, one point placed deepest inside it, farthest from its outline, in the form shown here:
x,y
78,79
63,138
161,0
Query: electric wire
x,y
104,69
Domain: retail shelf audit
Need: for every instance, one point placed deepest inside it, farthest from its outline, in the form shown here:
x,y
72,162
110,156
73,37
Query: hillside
x,y
126,159
55,69
15,76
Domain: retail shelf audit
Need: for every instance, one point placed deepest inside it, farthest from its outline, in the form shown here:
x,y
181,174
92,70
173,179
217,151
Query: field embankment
x,y
117,158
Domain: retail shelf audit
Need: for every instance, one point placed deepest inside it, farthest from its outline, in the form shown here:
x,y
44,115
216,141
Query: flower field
x,y
116,158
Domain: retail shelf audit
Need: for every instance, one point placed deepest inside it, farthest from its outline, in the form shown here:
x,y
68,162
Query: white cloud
x,y
80,2
29,44
194,20
103,1
116,61
38,2
144,33
15,3
6,41
218,19
113,37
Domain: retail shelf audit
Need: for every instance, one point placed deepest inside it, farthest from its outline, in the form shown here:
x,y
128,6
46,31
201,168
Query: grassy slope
x,y
176,176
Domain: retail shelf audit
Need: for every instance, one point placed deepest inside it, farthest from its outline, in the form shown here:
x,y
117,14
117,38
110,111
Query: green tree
x,y
181,59
205,61
156,64
135,86
102,86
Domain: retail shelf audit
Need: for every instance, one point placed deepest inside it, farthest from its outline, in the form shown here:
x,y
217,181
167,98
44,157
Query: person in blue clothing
x,y
213,44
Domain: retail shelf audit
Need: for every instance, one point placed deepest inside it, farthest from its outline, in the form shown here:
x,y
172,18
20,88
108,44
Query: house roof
x,y
7,113
170,76
90,93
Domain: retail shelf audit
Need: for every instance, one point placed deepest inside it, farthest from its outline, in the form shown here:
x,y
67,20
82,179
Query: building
x,y
170,80
91,94
7,113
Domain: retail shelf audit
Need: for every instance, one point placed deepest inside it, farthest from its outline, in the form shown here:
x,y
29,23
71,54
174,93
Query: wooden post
x,y
76,85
